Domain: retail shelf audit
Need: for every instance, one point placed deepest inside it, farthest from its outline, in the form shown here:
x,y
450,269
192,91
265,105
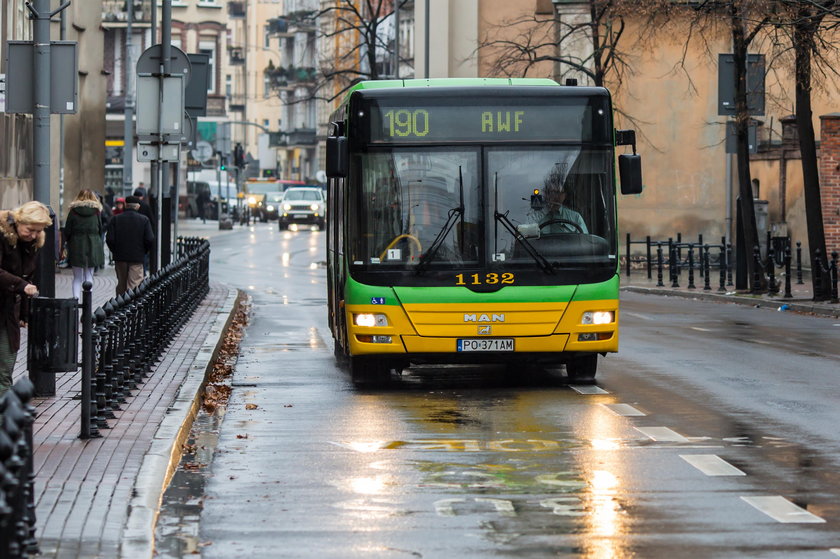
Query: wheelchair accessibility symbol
x,y
377,300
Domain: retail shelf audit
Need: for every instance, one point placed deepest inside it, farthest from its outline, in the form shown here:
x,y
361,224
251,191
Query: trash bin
x,y
53,341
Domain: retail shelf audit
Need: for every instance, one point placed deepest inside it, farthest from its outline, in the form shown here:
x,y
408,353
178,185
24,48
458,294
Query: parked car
x,y
302,205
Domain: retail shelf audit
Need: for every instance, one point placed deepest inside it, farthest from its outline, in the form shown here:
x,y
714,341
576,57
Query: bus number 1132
x,y
484,279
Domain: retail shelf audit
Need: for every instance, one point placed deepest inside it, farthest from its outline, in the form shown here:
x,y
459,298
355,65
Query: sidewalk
x,y
800,302
98,498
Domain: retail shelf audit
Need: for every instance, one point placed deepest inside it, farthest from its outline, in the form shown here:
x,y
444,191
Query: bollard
x,y
691,266
707,280
729,264
627,272
799,263
788,293
756,283
833,275
649,263
659,265
25,391
673,263
816,267
90,422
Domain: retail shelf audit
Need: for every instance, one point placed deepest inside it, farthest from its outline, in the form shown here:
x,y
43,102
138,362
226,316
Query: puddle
x,y
176,533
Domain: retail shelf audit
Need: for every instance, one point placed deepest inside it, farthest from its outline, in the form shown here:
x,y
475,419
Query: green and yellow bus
x,y
474,221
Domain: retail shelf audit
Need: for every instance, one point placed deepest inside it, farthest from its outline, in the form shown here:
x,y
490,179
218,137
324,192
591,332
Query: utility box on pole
x,y
64,89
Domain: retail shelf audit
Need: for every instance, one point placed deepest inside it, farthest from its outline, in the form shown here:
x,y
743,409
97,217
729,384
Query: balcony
x,y
302,137
236,103
236,9
115,13
215,105
237,56
290,76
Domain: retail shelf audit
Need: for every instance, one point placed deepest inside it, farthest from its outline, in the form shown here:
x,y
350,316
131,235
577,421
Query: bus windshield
x,y
534,207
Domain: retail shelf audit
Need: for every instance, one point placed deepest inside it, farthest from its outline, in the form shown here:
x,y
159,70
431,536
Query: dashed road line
x,y
662,434
624,410
780,509
712,465
590,389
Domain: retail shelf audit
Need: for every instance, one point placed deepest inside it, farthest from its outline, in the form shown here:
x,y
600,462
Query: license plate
x,y
485,344
299,216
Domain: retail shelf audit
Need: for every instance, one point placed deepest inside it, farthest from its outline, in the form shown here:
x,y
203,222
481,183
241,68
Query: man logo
x,y
484,318
483,330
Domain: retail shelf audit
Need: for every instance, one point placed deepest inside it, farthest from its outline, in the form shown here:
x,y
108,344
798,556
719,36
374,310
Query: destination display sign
x,y
425,120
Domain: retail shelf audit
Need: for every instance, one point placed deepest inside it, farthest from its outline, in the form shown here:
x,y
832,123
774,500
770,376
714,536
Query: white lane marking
x,y
662,434
637,315
444,506
712,465
780,509
835,550
624,410
502,506
589,390
700,329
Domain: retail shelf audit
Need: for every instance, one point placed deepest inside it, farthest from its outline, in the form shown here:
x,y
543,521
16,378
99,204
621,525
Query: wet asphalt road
x,y
713,433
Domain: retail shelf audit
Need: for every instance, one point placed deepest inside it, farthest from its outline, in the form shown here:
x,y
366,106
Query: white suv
x,y
302,205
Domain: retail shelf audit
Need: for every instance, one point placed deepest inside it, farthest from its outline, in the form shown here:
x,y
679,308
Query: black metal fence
x,y
123,339
700,258
17,495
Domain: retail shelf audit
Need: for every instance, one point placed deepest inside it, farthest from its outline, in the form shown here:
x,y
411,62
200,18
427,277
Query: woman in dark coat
x,y
21,235
83,235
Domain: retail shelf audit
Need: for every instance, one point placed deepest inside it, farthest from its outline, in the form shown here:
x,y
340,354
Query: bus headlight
x,y
598,317
252,201
370,319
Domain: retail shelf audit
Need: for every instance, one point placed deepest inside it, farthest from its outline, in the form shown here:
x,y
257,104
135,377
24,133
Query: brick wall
x,y
830,179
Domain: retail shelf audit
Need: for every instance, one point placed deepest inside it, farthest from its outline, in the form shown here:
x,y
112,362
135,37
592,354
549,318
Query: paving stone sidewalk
x,y
98,498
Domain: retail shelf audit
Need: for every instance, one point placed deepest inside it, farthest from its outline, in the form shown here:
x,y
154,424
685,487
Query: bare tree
x,y
519,46
362,35
806,24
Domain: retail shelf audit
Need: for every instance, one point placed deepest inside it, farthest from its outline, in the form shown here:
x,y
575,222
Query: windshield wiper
x,y
502,218
451,219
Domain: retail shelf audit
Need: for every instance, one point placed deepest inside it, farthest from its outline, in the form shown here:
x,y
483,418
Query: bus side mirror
x,y
630,173
337,157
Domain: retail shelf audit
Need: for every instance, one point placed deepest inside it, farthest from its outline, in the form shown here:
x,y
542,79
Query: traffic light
x,y
238,156
222,162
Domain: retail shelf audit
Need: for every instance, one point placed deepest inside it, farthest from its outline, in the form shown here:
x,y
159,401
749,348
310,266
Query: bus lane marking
x,y
587,390
712,465
662,434
624,410
781,510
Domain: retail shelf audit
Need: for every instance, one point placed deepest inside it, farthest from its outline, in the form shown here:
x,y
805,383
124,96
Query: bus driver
x,y
549,215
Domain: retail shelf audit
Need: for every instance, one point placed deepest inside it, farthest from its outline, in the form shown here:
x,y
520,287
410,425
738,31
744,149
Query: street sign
x,y
147,151
203,151
726,84
149,105
20,63
149,62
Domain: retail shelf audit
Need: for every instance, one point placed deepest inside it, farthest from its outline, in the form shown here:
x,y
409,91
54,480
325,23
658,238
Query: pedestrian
x,y
119,206
129,238
145,208
201,200
83,236
21,235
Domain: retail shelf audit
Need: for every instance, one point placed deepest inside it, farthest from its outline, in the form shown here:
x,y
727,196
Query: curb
x,y
161,460
771,304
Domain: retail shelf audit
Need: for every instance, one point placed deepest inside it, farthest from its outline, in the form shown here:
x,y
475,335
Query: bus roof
x,y
440,84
